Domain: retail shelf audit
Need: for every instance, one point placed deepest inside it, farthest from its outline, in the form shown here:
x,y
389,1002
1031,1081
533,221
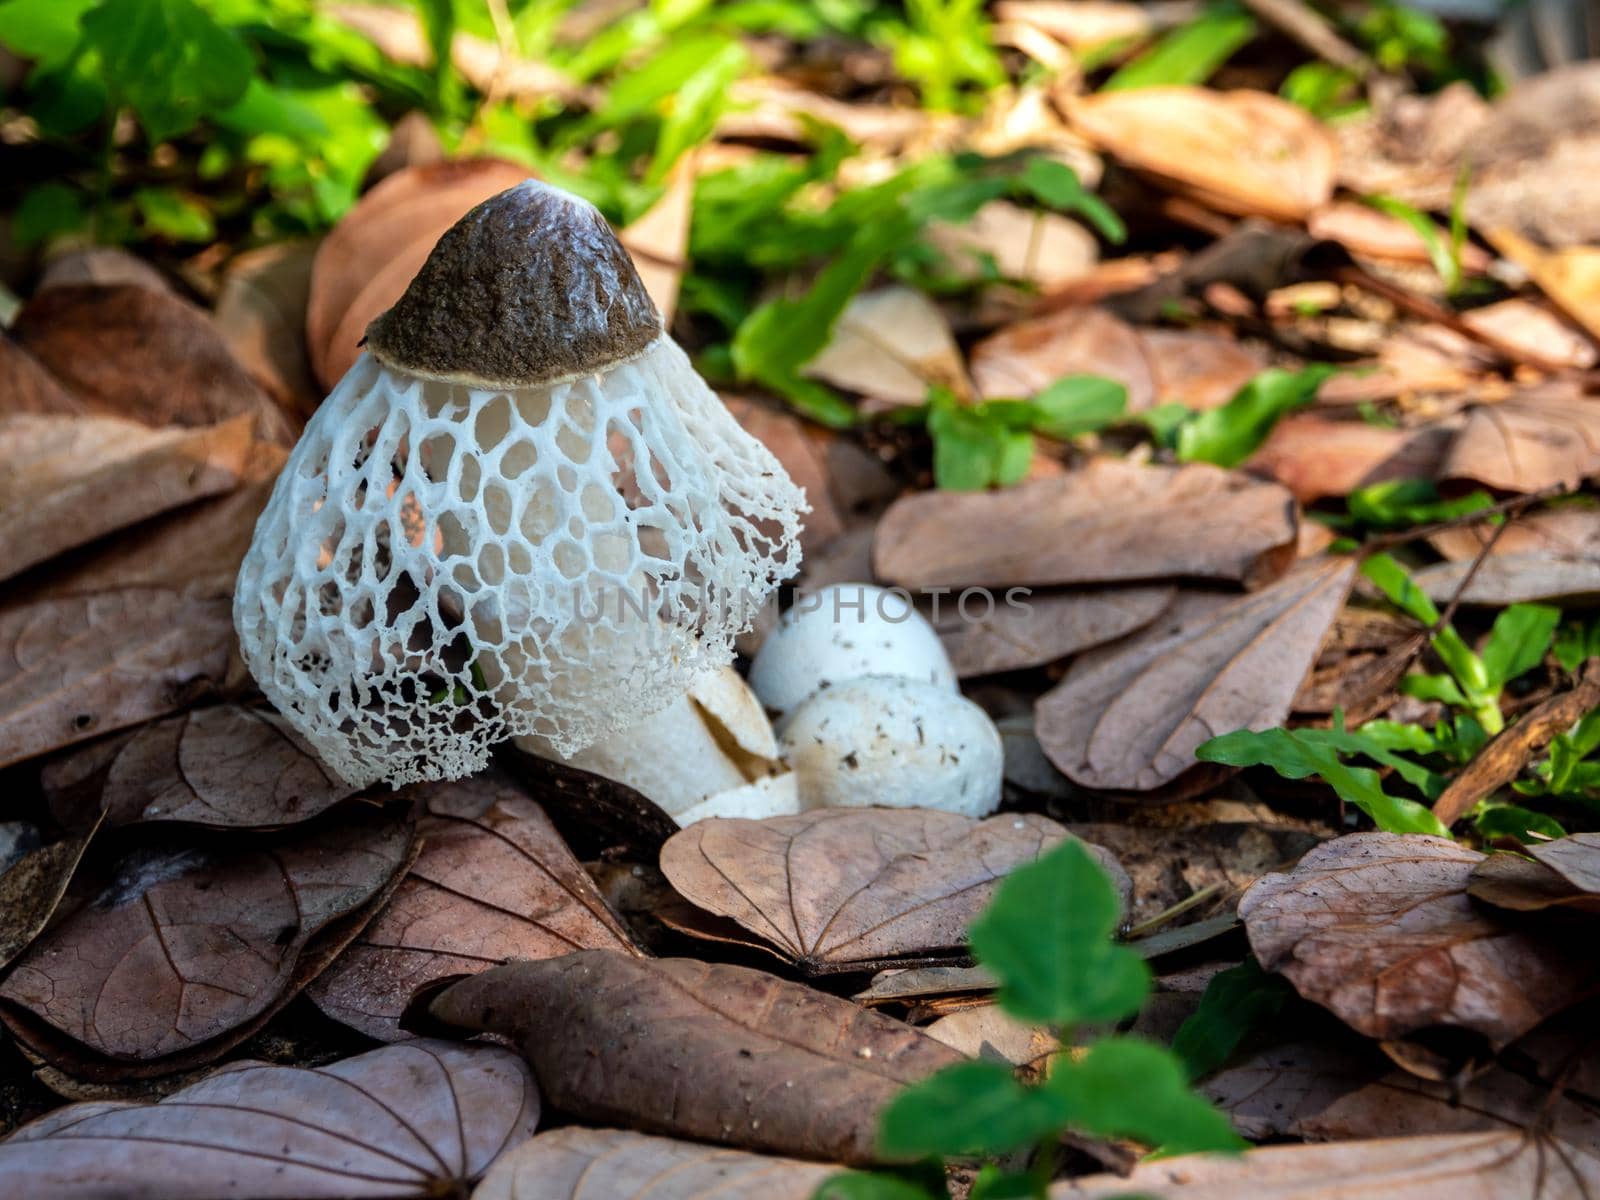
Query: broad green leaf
x,y
1127,1088
45,32
170,214
1235,1002
1442,688
1510,820
1046,935
970,1108
1517,644
1402,503
1057,185
1078,404
47,211
1190,54
862,1185
1230,434
696,104
1576,642
1468,669
1295,756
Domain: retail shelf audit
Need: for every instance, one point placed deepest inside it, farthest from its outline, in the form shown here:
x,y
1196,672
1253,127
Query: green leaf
x,y
862,1185
696,105
1235,1002
1518,641
1057,185
1293,755
1228,435
48,211
1576,643
1474,691
1189,54
970,1108
168,60
976,446
1078,404
170,214
1128,1088
1445,256
1509,820
1046,935
1402,503
46,32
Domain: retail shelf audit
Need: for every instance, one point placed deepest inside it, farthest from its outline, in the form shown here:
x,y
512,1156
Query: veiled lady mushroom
x,y
520,512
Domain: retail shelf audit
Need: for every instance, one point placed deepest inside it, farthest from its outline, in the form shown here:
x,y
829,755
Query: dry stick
x,y
1503,758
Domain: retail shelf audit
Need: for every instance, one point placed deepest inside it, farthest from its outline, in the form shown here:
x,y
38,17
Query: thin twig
x,y
1511,507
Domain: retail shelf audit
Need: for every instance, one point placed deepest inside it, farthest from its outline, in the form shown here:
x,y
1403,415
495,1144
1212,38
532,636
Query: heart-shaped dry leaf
x,y
70,480
80,666
1242,152
1379,928
1539,438
188,942
614,1164
225,767
1047,626
423,1119
700,1050
840,886
1133,720
494,882
1111,522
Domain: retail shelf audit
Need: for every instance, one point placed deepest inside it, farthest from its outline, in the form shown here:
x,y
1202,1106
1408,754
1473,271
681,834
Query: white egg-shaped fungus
x,y
522,511
843,632
899,743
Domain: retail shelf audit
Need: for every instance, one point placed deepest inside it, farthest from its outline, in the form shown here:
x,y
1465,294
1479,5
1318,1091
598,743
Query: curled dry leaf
x,y
1024,359
364,264
1539,438
1564,873
494,882
615,1164
187,942
1379,928
1111,522
1463,1166
423,1119
1132,721
837,886
133,352
892,344
261,314
70,480
1241,152
78,667
700,1050
224,767
1047,626
1316,456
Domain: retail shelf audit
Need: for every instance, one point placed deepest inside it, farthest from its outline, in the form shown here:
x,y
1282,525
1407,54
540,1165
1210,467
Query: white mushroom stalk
x,y
521,512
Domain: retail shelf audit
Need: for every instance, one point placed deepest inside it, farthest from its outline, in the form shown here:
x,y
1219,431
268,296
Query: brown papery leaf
x,y
1242,152
1198,369
891,345
1042,249
1463,1166
78,667
1567,530
225,767
843,885
70,480
1570,276
1365,231
364,264
1133,720
187,942
494,882
147,355
261,314
28,387
1315,456
658,241
1564,872
1378,927
615,1164
700,1050
1047,626
1111,522
424,1119
1023,359
1515,579
1538,438
32,887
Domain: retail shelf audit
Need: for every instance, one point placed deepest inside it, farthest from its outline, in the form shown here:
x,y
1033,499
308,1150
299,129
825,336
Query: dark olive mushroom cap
x,y
530,287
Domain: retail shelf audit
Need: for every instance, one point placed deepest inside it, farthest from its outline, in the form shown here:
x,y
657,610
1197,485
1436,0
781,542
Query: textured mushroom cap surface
x,y
530,287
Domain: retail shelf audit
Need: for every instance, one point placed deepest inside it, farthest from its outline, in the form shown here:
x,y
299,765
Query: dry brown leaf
x,y
31,886
1053,626
700,1050
1242,152
1536,439
1196,368
615,1164
989,1033
424,1119
1369,233
1464,1166
658,241
1565,872
71,480
1043,249
261,314
1378,927
839,885
1028,357
78,667
1530,328
103,265
364,264
224,767
1503,579
1568,530
1111,522
187,942
1316,456
28,387
892,344
1132,721
146,355
494,882
1078,23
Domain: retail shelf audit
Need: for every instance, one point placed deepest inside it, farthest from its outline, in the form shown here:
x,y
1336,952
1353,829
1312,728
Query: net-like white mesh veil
x,y
442,566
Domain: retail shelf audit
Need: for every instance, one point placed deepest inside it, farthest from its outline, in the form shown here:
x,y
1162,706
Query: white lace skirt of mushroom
x,y
522,512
